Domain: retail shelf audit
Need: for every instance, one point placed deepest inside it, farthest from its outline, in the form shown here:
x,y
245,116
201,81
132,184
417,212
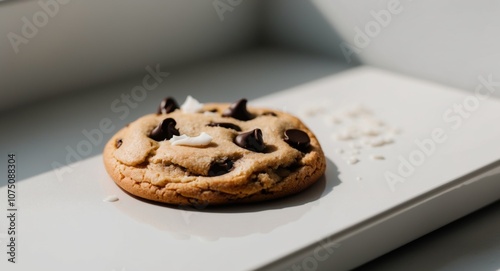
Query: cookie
x,y
201,154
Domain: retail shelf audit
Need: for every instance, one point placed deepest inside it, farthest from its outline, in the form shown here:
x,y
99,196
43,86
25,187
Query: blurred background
x,y
54,46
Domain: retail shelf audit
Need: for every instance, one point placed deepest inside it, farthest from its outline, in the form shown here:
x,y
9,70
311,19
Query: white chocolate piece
x,y
198,141
191,105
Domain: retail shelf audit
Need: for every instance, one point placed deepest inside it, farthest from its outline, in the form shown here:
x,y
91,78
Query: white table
x,y
38,134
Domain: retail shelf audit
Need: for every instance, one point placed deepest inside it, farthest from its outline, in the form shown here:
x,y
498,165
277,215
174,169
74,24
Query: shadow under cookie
x,y
214,222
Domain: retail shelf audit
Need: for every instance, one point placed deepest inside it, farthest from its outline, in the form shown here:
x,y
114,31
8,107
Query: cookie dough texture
x,y
180,175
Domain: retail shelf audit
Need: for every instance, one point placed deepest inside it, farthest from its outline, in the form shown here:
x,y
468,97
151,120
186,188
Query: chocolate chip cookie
x,y
198,154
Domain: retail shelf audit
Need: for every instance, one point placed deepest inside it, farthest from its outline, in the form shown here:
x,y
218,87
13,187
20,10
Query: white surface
x,y
403,224
66,225
471,243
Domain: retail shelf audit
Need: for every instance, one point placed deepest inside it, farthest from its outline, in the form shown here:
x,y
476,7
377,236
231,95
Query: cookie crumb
x,y
378,142
110,198
377,157
352,160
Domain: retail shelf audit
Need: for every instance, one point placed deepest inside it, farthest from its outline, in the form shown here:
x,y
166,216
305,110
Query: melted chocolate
x,y
297,139
165,130
251,140
220,168
226,125
167,105
238,110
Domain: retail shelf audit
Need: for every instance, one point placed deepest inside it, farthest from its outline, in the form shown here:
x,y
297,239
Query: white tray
x,y
341,221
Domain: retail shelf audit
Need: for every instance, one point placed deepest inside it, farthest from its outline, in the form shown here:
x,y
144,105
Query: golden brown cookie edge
x,y
298,181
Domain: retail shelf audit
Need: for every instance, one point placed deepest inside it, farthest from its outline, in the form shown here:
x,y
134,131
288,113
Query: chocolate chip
x,y
220,168
164,130
210,111
118,143
167,105
269,114
251,140
297,139
226,125
238,111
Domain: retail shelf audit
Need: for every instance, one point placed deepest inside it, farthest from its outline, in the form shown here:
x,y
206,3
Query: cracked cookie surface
x,y
247,160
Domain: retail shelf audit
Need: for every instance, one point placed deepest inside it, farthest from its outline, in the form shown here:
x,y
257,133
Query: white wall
x,y
90,42
450,42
